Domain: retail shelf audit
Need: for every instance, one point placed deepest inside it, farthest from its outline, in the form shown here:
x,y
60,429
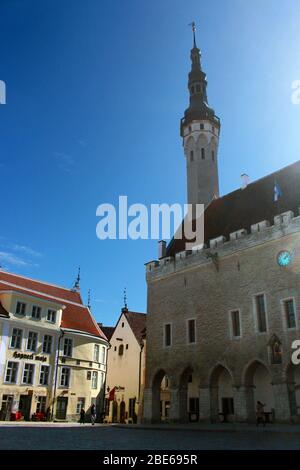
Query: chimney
x,y
245,181
162,249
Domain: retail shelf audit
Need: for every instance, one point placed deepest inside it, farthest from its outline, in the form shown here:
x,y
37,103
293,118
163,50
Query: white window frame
x,y
37,307
37,341
60,376
82,405
52,312
284,319
72,345
103,354
51,348
187,331
232,336
17,373
11,336
164,335
20,314
33,374
255,313
94,374
49,376
96,356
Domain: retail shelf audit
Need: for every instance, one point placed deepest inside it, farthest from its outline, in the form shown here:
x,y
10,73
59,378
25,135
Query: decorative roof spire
x,y
89,299
193,25
125,308
76,286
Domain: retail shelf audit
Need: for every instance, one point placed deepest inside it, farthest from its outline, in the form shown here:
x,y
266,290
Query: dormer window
x,y
36,312
20,308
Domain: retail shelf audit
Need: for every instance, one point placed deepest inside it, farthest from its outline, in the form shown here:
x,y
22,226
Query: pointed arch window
x,y
192,155
121,350
213,155
203,153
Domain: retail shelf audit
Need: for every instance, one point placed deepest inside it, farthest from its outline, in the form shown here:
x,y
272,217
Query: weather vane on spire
x,y
193,25
77,282
89,299
125,298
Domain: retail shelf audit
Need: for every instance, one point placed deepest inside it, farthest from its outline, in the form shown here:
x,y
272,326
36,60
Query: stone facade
x,y
194,287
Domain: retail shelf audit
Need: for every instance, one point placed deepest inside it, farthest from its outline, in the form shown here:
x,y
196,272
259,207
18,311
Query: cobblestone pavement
x,y
106,437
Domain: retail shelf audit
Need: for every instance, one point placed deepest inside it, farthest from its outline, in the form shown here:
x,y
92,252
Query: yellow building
x,y
52,352
126,368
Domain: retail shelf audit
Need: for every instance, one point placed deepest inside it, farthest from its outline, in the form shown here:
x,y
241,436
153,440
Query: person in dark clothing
x,y
82,416
260,413
93,414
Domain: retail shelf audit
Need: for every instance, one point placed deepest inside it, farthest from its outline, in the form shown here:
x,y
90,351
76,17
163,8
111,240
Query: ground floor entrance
x,y
25,406
61,407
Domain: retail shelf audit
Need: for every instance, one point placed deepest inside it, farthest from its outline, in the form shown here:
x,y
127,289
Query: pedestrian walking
x,y
260,413
82,416
93,414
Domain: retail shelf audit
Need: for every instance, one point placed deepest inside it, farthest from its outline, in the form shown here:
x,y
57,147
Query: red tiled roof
x,y
137,322
75,315
244,207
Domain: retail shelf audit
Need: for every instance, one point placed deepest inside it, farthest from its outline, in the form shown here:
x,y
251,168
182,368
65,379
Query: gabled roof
x,y
3,312
137,322
75,315
244,207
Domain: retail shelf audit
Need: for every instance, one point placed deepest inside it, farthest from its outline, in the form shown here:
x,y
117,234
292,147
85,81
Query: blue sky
x,y
95,93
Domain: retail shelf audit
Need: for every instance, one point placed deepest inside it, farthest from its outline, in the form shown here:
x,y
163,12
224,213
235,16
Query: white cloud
x,y
12,259
27,251
66,162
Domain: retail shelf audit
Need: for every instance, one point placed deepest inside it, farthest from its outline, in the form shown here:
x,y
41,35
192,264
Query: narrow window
x,y
203,153
191,331
16,338
65,377
121,350
261,313
44,375
103,354
202,126
11,372
51,316
96,353
235,322
192,155
190,128
32,341
198,88
289,309
192,90
20,308
80,404
68,347
168,338
41,404
36,312
94,380
213,155
28,374
47,344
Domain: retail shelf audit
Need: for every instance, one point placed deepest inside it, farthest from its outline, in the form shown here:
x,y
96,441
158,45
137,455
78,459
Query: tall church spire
x,y
200,129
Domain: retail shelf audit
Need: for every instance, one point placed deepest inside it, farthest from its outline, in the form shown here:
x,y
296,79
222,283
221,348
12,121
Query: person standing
x,y
260,413
93,414
82,416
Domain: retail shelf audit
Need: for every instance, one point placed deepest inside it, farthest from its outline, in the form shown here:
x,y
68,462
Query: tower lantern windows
x,y
198,88
202,126
192,90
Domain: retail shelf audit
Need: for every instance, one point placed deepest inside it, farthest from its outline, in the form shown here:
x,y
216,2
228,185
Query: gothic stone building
x,y
222,318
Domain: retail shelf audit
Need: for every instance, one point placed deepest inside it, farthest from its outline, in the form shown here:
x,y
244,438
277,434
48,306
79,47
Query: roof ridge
x,y
39,282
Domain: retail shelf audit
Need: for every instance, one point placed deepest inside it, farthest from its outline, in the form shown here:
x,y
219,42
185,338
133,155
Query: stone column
x,y
147,416
174,405
214,404
204,404
281,400
241,402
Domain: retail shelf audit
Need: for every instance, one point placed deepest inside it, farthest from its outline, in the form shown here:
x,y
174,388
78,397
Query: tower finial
x,y
89,299
193,25
125,308
77,282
